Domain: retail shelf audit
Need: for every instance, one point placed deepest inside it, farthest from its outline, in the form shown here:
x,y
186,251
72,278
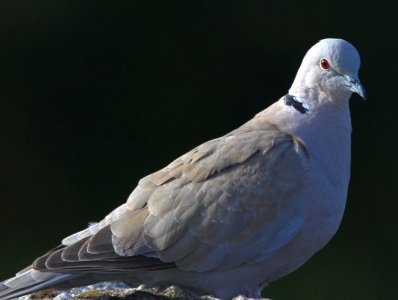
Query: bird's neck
x,y
321,123
325,130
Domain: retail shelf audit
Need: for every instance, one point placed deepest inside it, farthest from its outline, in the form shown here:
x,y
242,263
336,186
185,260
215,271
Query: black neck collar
x,y
297,105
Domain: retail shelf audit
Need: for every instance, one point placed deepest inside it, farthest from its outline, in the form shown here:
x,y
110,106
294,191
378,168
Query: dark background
x,y
95,95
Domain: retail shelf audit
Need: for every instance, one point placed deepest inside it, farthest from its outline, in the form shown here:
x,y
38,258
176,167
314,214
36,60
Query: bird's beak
x,y
356,85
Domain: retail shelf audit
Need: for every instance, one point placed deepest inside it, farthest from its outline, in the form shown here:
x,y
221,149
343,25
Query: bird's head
x,y
330,70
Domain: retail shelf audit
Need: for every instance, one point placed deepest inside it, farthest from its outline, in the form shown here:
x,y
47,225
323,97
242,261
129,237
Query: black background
x,y
97,94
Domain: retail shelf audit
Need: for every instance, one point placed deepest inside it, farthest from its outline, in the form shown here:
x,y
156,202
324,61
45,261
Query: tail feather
x,y
24,270
31,281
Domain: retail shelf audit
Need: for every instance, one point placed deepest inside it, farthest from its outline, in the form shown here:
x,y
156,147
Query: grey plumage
x,y
234,213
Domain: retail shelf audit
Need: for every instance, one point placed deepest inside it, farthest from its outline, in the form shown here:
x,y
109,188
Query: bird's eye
x,y
324,64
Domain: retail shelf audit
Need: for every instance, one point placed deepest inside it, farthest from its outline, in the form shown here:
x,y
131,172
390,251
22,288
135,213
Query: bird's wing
x,y
230,201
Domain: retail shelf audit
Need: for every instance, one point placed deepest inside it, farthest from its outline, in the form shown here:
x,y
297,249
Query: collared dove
x,y
234,213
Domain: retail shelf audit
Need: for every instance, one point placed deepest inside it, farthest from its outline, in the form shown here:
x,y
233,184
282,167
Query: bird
x,y
235,213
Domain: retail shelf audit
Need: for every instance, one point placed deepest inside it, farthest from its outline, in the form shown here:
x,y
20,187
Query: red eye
x,y
324,64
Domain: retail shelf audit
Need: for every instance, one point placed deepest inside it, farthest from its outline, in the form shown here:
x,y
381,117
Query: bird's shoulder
x,y
255,147
215,202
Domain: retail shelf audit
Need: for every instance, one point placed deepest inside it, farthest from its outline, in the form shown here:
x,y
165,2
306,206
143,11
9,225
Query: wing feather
x,y
216,207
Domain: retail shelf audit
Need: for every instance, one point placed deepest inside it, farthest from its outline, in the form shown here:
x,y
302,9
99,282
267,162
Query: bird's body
x,y
236,212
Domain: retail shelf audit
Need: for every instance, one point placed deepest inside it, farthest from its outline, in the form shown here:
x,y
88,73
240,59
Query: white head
x,y
330,71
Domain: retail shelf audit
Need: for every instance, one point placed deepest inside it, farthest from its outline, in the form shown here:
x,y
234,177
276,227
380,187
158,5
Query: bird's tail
x,y
28,281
